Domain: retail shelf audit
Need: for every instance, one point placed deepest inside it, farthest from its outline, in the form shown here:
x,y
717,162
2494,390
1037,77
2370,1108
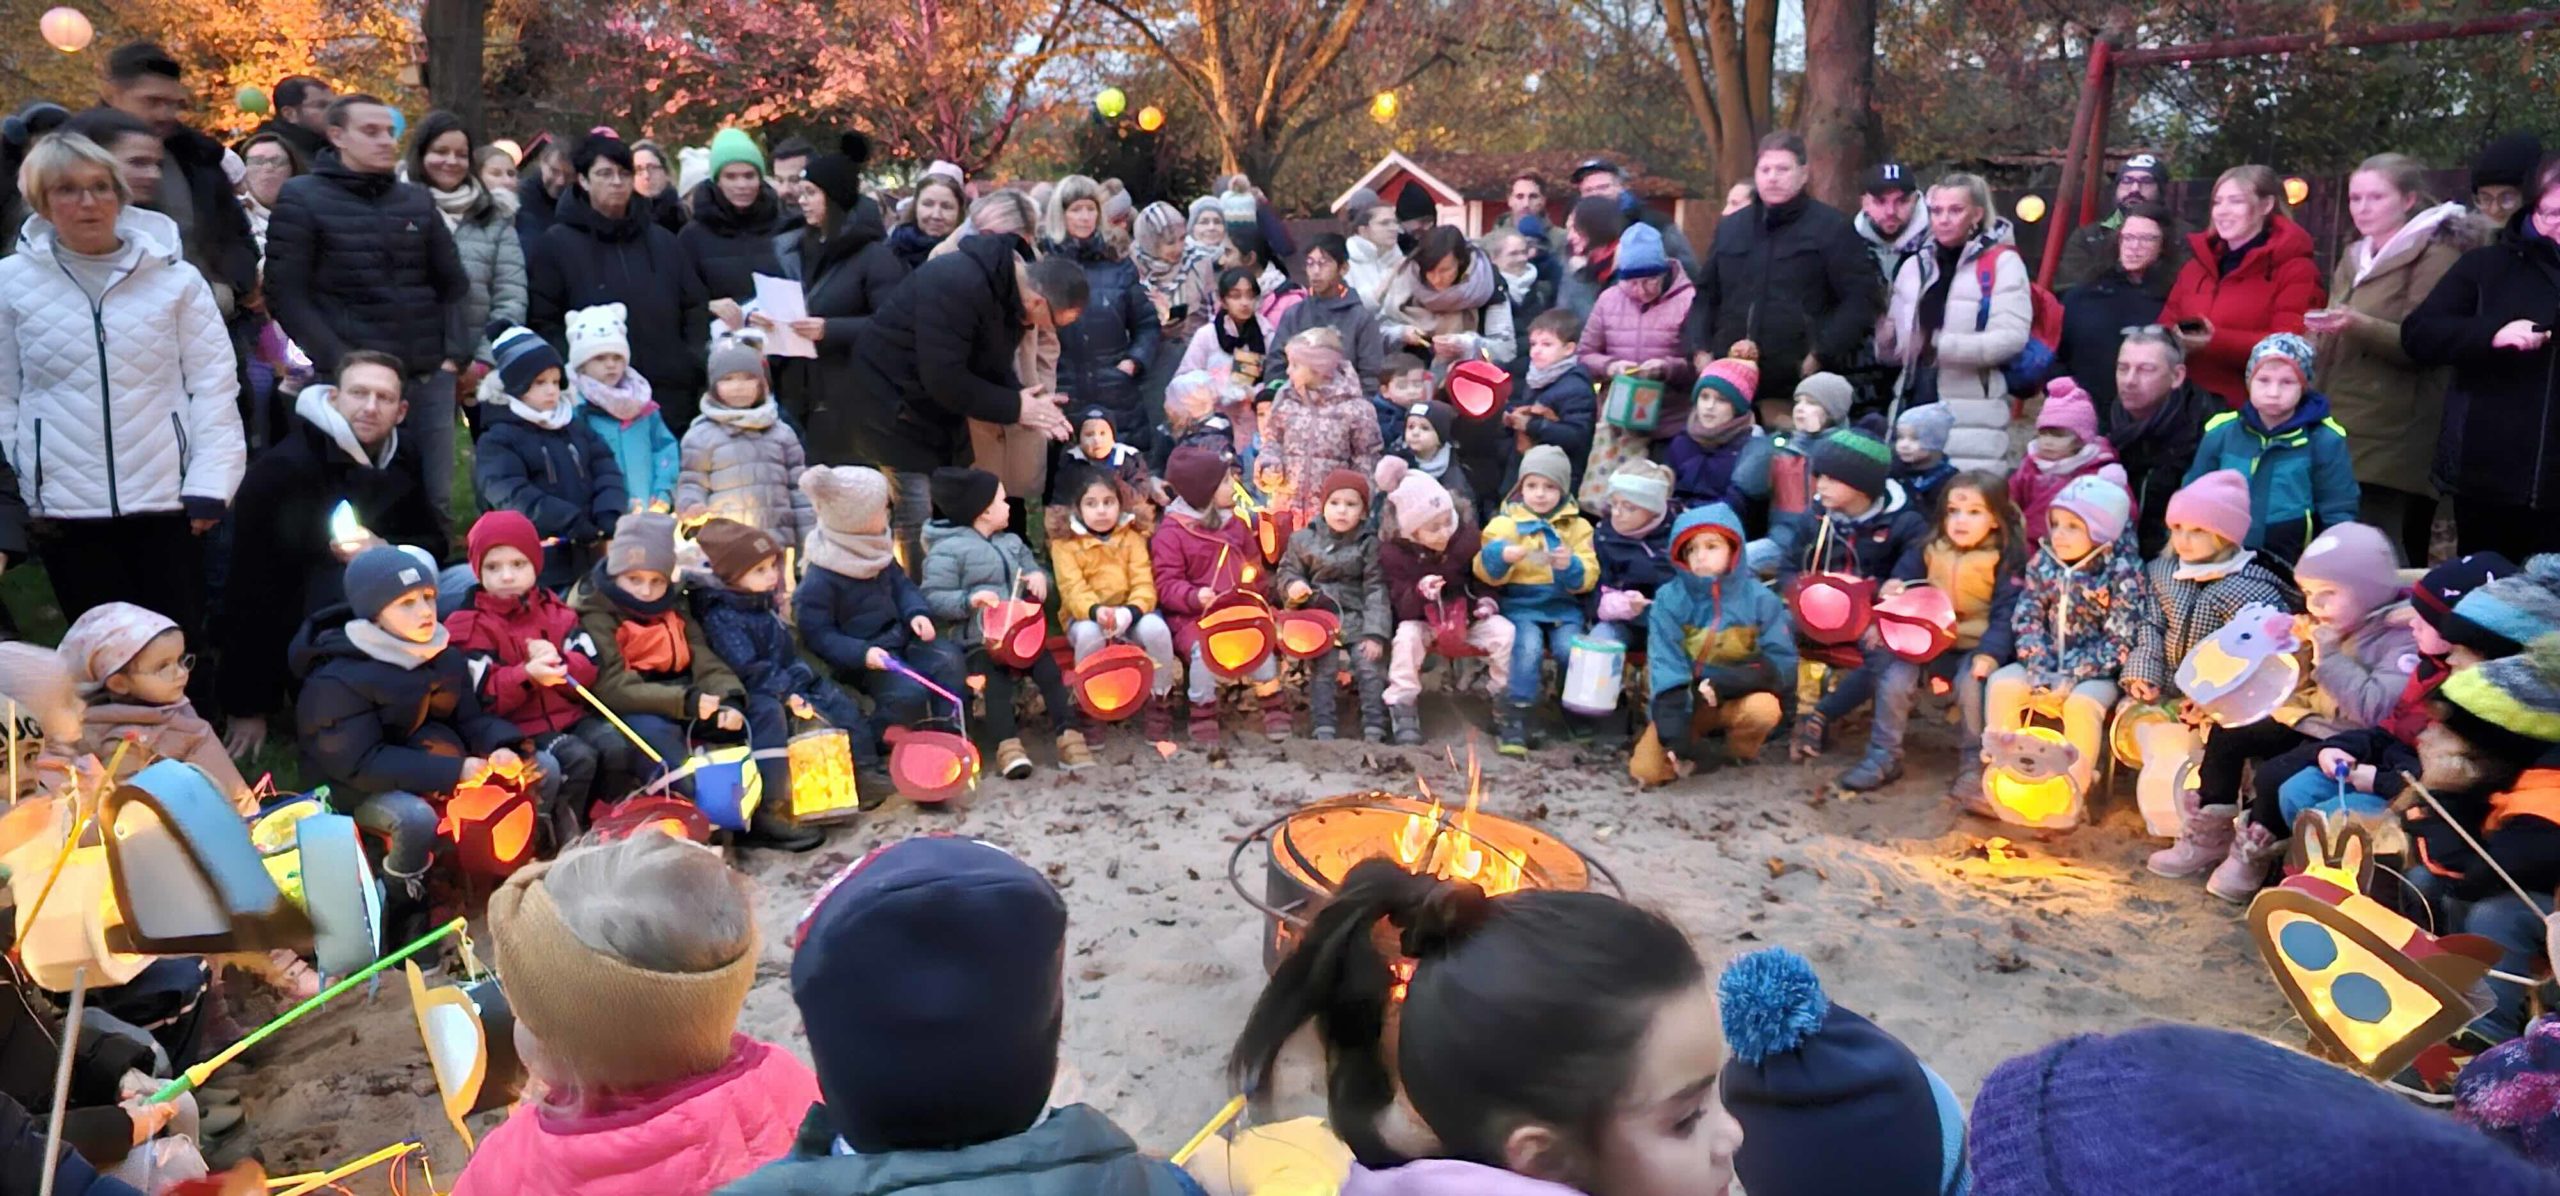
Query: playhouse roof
x,y
1456,177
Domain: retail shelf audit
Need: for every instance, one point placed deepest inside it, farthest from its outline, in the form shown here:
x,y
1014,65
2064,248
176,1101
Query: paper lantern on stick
x,y
822,783
1306,634
1014,631
2245,670
931,766
1478,388
491,822
1237,634
1113,683
66,29
2373,989
470,1034
1918,623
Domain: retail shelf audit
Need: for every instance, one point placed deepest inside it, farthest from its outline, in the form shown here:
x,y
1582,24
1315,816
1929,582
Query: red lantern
x,y
1918,623
1478,388
1831,608
1014,631
931,767
649,811
491,823
1307,634
1449,630
1272,529
1112,684
1237,634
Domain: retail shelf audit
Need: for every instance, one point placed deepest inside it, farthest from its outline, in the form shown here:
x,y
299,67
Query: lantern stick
x,y
79,827
900,668
2474,844
314,1183
194,1076
62,1079
1229,1113
618,724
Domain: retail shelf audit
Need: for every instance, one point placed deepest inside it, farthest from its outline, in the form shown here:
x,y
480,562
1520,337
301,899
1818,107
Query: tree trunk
x,y
1841,130
456,33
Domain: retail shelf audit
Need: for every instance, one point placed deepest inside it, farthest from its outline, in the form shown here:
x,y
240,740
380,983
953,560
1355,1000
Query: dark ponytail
x,y
1527,1008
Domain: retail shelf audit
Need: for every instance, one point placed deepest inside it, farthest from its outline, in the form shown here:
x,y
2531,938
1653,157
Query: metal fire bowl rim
x,y
1383,802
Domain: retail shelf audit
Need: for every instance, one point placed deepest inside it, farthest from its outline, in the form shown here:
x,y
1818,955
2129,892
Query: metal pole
x,y
2102,76
2066,206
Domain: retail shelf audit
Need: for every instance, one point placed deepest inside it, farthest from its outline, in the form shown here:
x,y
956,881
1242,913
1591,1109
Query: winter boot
x,y
1511,729
1156,723
772,828
1373,726
2204,837
872,787
1012,763
2243,872
1966,788
1276,721
1073,753
1408,725
1872,771
1813,735
1204,724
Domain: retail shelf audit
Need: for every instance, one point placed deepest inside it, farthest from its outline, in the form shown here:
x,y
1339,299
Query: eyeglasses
x,y
607,174
266,163
70,193
183,664
2139,238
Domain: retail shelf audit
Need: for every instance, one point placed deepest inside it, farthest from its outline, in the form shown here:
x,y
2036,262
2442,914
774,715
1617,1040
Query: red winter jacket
x,y
1406,563
1189,559
2274,284
690,1137
491,632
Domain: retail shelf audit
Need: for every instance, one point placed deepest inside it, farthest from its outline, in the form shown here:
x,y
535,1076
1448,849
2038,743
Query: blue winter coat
x,y
566,481
842,618
644,449
1701,475
2301,481
1885,544
2079,622
1639,563
1577,407
1922,484
368,726
1731,630
749,634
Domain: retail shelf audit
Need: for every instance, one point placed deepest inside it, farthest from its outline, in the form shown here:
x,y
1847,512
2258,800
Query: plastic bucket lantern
x,y
1633,403
469,1030
1237,634
1595,673
1832,608
823,789
1307,634
491,824
2241,673
1478,388
1014,631
727,785
1113,683
1917,624
931,767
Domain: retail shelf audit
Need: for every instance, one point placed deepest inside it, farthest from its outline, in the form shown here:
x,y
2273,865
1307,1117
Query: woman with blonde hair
x,y
2249,276
1949,332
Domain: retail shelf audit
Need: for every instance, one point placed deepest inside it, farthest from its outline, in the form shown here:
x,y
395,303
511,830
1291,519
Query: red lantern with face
x,y
931,766
491,823
1237,634
1831,608
1113,683
1918,623
1478,388
1014,631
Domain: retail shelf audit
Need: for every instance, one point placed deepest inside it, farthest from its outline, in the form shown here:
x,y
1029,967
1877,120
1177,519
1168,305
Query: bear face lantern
x,y
2246,669
2029,781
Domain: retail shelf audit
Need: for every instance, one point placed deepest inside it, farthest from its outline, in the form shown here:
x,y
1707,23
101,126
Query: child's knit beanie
x,y
1930,424
1829,391
1195,473
847,498
521,355
733,548
1549,462
1418,500
642,540
2436,594
961,494
503,529
1644,484
603,328
2359,561
1856,459
380,575
1735,377
737,355
2288,347
2100,502
2067,408
2502,616
2218,502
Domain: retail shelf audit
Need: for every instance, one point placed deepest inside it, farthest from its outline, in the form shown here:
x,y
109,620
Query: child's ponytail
x,y
1522,1009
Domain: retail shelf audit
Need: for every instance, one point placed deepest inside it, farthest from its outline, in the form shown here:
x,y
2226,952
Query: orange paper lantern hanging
x,y
1272,529
1014,631
491,824
1237,634
1113,683
1307,634
1918,623
931,767
1478,388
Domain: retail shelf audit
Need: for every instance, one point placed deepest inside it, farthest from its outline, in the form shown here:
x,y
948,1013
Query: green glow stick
x,y
196,1075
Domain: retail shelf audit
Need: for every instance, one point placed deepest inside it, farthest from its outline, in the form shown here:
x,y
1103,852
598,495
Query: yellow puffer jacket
x,y
1096,571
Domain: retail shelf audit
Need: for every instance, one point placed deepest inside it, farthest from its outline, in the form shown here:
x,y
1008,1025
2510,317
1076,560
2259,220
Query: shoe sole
x,y
1016,774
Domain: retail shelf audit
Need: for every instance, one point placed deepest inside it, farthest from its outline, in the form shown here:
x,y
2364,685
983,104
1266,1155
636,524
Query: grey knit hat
x,y
643,540
738,355
1830,391
847,497
1549,462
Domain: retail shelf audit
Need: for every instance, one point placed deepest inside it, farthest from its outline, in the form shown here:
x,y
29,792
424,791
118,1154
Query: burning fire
x,y
1435,844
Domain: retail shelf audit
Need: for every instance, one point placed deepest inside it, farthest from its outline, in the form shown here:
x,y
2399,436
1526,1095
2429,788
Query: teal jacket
x,y
2301,481
646,450
1732,629
1075,1151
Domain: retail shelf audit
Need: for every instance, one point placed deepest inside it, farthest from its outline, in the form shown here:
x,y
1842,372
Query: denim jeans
x,y
1532,642
1898,686
1203,687
408,822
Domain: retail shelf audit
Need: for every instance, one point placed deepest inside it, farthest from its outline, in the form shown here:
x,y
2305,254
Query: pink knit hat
x,y
2067,407
2358,561
2218,502
107,638
1418,501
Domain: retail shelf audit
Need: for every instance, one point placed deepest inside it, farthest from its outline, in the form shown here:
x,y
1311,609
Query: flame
x,y
344,527
1435,844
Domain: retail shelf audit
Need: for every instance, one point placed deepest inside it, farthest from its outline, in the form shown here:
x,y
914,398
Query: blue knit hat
x,y
1828,1102
2504,615
2205,1112
1640,253
1930,424
381,574
521,356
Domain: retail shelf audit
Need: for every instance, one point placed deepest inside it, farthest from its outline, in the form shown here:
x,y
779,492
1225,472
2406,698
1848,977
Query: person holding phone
x,y
2249,275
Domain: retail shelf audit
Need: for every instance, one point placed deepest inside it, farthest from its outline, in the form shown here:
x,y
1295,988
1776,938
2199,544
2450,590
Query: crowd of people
x,y
1573,465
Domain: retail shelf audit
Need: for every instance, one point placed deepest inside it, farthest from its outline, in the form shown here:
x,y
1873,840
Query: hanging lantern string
x,y
2474,844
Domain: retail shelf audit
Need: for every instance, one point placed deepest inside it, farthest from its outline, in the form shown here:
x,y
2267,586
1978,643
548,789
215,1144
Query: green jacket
x,y
2301,480
1075,1151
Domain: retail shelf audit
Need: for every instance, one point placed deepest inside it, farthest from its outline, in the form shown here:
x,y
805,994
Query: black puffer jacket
x,y
2155,451
219,242
2502,410
586,259
843,280
565,480
1118,325
30,1048
537,209
2094,317
361,261
1794,279
938,356
370,726
728,246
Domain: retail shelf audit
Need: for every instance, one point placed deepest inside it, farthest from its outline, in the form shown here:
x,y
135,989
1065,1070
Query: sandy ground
x,y
1889,894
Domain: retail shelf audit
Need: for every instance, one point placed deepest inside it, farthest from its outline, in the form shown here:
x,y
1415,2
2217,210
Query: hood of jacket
x,y
760,218
138,227
633,224
1914,235
323,638
2314,409
1716,515
315,409
2284,240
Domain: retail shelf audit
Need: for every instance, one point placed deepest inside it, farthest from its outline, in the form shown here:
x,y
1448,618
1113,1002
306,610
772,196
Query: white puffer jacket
x,y
125,406
1970,381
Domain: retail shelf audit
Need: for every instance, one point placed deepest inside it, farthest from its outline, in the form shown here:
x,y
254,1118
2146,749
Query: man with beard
x,y
2142,181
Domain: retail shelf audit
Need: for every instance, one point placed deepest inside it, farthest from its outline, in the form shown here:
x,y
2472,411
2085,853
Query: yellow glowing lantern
x,y
1384,106
1015,632
1111,102
2374,990
2030,208
2029,780
2296,189
1150,118
66,29
1306,634
822,782
1271,531
1237,634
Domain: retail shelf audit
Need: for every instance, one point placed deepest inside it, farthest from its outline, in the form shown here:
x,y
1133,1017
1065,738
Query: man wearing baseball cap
x,y
1885,204
1605,178
2091,251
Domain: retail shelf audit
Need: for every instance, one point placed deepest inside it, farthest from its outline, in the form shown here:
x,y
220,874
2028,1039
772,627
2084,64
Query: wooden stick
x,y
618,724
1233,1108
62,1079
188,1080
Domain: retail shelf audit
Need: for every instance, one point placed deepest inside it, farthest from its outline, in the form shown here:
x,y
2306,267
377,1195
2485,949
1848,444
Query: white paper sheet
x,y
781,300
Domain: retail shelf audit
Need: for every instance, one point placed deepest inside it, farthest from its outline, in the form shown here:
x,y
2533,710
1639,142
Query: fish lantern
x,y
1831,608
2243,672
66,29
470,1034
2029,781
1271,531
1113,683
1014,631
674,816
2374,990
1237,634
491,822
1478,388
1306,634
1918,623
823,789
318,862
346,531
727,786
931,766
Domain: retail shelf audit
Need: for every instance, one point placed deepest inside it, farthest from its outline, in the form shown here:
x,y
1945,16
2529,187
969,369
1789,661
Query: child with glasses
x,y
132,665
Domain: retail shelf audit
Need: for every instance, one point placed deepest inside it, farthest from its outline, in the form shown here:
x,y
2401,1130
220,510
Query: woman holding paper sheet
x,y
605,248
840,256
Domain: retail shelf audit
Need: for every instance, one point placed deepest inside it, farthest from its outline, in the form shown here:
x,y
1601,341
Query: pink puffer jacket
x,y
692,1137
1621,329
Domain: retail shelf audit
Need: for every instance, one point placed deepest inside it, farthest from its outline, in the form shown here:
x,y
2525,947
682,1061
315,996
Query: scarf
x,y
1931,314
626,403
1720,433
1473,290
507,202
1517,286
1248,337
370,639
455,206
743,419
623,601
1210,521
912,244
2079,460
1436,465
1544,376
858,555
549,421
2410,235
2214,570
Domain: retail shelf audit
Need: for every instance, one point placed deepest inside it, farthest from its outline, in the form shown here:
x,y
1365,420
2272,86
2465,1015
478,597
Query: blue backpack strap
x,y
1986,276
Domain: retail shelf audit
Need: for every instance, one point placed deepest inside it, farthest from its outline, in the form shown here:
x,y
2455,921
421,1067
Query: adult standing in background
x,y
841,257
301,116
1592,231
1885,206
1181,286
2141,182
357,259
145,82
441,159
546,176
1101,354
1788,274
1376,253
2096,313
1949,336
1605,179
2155,424
653,178
940,204
2501,175
2392,409
606,248
267,162
117,399
1527,200
2251,275
736,216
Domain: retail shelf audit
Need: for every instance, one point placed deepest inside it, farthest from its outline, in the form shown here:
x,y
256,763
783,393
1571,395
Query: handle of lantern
x,y
900,668
618,724
62,1080
2467,841
194,1077
1226,1113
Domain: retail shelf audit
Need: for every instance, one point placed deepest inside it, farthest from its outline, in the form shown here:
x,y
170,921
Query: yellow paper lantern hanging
x,y
2030,208
1111,102
66,29
1150,118
1384,106
2296,189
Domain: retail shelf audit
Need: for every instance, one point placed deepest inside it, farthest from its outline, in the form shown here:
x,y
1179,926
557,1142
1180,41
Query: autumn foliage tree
x,y
224,45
